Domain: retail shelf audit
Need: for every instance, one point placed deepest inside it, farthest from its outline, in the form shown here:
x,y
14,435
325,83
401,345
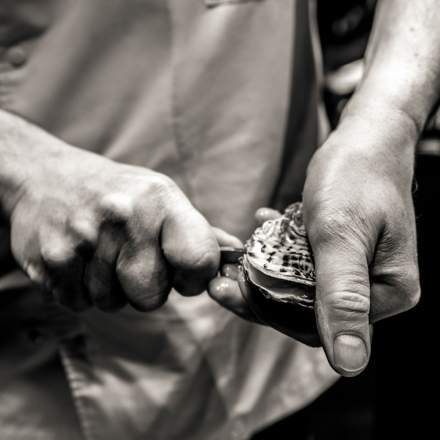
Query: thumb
x,y
343,304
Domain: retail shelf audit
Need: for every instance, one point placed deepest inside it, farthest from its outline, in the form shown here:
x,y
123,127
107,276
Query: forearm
x,y
19,143
92,230
357,197
26,151
402,74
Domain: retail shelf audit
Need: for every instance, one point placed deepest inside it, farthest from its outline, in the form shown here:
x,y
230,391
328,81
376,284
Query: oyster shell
x,y
278,255
279,270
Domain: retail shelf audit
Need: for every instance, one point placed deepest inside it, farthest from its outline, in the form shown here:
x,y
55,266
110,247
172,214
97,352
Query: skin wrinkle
x,y
347,230
134,280
348,303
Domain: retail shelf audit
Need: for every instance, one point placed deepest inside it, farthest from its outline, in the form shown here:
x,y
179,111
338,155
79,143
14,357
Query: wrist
x,y
375,143
379,125
402,61
25,150
12,162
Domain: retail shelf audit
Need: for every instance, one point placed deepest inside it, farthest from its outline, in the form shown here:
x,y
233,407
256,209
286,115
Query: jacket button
x,y
16,56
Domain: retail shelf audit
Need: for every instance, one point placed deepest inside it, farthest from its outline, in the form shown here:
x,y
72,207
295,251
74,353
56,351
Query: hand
x,y
92,231
360,221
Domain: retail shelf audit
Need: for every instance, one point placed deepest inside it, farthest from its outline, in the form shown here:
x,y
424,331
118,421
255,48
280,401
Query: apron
x,y
220,95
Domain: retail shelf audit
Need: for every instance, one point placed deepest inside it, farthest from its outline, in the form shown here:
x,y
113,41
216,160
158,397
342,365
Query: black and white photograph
x,y
219,219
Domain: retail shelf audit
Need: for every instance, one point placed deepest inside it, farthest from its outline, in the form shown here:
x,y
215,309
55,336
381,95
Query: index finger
x,y
190,247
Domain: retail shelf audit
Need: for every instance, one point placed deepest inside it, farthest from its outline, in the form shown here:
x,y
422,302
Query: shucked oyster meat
x,y
279,269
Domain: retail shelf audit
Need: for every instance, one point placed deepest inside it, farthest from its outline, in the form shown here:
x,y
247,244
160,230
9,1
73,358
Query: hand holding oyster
x,y
280,278
276,276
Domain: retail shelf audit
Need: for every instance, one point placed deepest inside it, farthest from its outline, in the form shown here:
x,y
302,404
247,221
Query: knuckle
x,y
405,283
117,207
159,190
413,298
57,256
85,235
411,289
37,275
161,184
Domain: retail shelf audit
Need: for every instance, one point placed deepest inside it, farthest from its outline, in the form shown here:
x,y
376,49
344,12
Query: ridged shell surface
x,y
280,249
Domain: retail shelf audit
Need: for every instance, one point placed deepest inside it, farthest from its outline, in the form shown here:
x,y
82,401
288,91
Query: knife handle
x,y
230,255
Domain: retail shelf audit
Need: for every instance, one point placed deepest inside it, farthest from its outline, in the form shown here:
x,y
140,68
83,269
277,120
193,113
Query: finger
x,y
36,272
64,246
226,239
227,293
143,275
27,250
230,271
225,289
100,277
343,304
264,214
84,233
65,269
190,247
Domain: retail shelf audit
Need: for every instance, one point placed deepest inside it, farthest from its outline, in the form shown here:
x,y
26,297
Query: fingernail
x,y
230,271
219,286
350,353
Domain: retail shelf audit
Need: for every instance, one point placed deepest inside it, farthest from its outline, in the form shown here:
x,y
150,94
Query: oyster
x,y
279,269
